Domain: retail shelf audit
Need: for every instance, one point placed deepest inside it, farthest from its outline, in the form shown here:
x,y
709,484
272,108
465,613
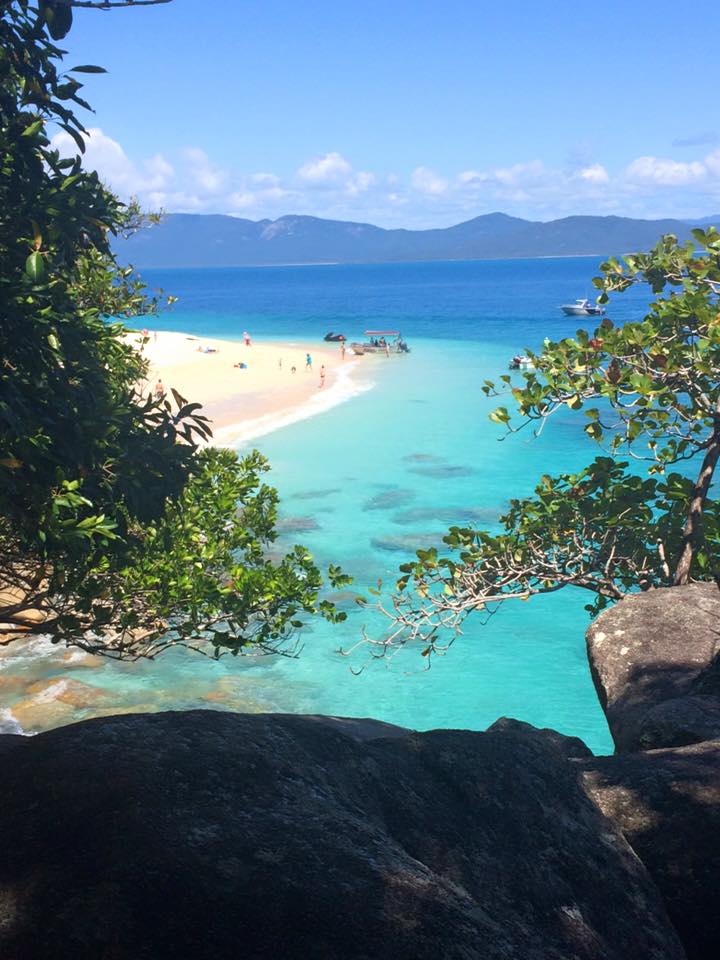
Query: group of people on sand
x,y
159,388
308,366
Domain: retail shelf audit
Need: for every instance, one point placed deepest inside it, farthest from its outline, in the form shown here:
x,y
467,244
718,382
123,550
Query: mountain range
x,y
216,240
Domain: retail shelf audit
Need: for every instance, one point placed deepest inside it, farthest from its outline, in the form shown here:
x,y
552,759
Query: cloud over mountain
x,y
329,184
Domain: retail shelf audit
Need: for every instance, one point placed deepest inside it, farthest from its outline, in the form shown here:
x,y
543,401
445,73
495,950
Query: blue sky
x,y
406,113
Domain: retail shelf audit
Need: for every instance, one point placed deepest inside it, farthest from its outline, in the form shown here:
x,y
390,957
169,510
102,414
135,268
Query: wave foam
x,y
21,652
8,723
344,388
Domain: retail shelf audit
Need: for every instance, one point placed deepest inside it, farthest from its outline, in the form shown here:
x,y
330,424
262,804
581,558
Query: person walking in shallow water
x,y
308,362
322,376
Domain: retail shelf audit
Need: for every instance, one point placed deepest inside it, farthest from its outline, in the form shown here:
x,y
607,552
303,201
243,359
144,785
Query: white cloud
x,y
519,172
475,178
204,173
114,167
242,199
251,199
712,162
595,173
666,172
425,180
328,185
328,168
270,179
361,182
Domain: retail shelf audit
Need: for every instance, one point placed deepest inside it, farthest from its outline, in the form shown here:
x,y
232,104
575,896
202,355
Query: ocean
x,y
408,452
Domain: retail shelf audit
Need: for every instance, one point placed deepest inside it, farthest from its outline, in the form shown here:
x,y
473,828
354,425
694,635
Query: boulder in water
x,y
655,661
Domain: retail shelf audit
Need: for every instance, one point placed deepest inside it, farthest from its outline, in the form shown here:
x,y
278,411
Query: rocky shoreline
x,y
206,834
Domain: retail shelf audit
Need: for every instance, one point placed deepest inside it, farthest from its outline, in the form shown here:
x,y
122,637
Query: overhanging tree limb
x,y
108,4
648,390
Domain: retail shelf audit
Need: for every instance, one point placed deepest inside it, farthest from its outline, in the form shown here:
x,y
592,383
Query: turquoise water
x,y
358,483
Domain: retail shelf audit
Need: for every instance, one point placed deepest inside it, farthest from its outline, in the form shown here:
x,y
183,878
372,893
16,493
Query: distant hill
x,y
214,240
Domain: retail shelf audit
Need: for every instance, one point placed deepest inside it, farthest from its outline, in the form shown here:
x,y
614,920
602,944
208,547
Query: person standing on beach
x,y
322,376
308,362
342,349
246,338
279,363
159,390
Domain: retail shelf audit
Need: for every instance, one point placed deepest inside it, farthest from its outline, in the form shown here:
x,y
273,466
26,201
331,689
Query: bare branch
x,y
109,4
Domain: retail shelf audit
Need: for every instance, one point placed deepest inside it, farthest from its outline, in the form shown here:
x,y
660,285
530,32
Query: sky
x,y
405,113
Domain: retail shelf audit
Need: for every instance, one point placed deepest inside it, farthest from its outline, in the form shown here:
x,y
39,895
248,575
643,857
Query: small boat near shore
x,y
334,337
379,343
582,308
521,362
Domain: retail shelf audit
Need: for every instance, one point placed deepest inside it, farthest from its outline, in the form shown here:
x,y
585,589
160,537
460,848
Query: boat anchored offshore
x,y
582,308
379,343
521,362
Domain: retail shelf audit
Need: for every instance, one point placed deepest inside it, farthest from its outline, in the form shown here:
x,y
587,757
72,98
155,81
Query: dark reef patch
x,y
423,458
408,543
314,494
443,471
389,499
296,524
449,515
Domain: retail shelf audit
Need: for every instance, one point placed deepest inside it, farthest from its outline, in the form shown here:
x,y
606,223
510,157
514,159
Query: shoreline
x,y
374,263
273,389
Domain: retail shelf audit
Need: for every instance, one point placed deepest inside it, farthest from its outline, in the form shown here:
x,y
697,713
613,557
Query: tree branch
x,y
108,4
693,529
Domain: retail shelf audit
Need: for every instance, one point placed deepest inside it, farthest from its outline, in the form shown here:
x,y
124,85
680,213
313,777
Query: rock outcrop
x,y
667,803
655,661
215,835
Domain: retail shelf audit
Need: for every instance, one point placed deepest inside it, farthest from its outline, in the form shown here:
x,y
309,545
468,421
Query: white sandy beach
x,y
244,403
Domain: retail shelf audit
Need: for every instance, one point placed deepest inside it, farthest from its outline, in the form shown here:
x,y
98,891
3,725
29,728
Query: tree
x,y
648,392
120,531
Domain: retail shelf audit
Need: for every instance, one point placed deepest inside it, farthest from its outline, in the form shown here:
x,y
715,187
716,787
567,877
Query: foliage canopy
x,y
120,531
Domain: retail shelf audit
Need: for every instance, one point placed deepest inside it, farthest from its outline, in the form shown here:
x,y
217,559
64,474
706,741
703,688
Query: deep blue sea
x,y
391,468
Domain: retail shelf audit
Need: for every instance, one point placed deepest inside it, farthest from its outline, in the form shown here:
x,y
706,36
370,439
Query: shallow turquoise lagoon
x,y
391,468
362,472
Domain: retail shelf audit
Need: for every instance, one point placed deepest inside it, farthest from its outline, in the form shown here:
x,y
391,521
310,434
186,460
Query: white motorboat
x,y
582,308
521,362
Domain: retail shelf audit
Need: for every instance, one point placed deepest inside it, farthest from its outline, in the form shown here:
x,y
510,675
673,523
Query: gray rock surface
x,y
215,835
654,658
667,803
568,746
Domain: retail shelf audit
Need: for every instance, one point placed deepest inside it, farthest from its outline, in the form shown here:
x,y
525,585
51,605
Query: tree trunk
x,y
692,531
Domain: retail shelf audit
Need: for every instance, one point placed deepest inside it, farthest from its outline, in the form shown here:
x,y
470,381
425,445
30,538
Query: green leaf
x,y
35,267
500,415
87,68
33,128
58,18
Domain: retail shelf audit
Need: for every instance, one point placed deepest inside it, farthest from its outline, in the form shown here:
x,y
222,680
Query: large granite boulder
x,y
667,803
186,836
655,661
